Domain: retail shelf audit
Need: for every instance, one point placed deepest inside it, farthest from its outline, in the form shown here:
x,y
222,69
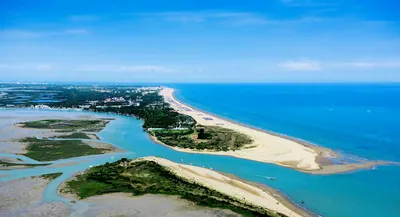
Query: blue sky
x,y
200,41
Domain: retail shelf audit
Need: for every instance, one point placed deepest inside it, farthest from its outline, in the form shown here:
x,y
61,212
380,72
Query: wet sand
x,y
23,197
124,204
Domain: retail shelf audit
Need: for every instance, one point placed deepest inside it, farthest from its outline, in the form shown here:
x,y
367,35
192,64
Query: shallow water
x,y
356,194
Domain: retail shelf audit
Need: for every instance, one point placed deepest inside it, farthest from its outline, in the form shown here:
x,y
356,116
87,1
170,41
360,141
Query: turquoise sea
x,y
359,120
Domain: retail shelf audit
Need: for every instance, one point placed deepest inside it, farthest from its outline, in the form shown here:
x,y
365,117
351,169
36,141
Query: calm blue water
x,y
363,120
305,112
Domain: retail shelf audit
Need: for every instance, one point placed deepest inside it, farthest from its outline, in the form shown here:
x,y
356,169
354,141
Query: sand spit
x,y
267,146
109,148
247,192
226,185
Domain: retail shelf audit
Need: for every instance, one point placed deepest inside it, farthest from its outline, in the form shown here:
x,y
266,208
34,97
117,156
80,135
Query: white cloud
x,y
125,68
372,64
44,67
303,65
83,18
26,67
308,65
20,33
16,33
74,32
309,3
199,16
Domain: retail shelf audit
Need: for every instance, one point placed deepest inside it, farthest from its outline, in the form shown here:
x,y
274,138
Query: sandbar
x,y
268,147
226,185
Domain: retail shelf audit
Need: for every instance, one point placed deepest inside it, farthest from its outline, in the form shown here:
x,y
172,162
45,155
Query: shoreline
x,y
251,193
322,159
278,195
200,175
325,163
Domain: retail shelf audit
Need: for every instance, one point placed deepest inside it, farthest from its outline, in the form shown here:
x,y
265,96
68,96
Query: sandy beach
x,y
265,147
268,147
226,185
253,194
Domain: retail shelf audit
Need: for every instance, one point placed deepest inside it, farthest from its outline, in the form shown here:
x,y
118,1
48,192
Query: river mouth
x,y
127,134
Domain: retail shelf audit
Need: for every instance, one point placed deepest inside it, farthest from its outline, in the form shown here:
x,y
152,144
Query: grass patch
x,y
147,177
74,136
67,125
8,164
50,176
49,150
204,137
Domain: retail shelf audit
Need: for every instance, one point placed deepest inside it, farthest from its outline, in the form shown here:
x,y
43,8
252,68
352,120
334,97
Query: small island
x,y
68,140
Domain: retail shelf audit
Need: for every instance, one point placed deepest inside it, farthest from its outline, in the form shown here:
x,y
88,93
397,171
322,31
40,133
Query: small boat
x,y
270,178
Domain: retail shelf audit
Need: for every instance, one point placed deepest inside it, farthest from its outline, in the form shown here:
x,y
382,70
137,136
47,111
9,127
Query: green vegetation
x,y
143,103
203,137
49,150
147,177
50,176
67,125
8,164
154,112
74,136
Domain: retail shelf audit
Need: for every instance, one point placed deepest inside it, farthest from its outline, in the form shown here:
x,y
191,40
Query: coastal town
x,y
46,97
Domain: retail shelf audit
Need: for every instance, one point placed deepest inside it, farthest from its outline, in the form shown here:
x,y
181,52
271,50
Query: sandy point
x,y
268,147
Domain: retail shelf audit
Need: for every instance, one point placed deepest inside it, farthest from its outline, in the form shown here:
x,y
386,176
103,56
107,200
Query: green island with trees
x,y
10,164
65,145
203,138
76,135
147,177
67,125
49,150
50,176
